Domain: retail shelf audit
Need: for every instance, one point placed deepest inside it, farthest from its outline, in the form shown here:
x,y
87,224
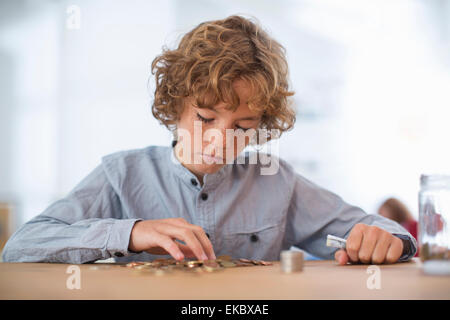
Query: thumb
x,y
341,256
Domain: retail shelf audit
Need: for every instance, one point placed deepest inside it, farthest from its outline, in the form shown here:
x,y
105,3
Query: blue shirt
x,y
245,213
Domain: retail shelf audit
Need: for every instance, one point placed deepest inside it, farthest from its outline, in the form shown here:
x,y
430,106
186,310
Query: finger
x,y
353,243
206,243
381,249
341,257
395,250
188,253
169,245
184,234
369,241
157,250
199,233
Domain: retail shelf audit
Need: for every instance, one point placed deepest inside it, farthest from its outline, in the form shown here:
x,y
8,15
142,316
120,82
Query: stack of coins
x,y
291,261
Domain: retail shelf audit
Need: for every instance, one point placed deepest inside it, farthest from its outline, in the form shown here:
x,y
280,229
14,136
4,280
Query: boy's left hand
x,y
370,244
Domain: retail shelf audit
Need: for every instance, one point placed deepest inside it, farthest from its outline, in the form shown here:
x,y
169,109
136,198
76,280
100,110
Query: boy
x,y
224,87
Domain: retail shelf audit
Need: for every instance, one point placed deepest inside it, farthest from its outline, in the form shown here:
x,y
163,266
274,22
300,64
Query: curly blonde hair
x,y
210,58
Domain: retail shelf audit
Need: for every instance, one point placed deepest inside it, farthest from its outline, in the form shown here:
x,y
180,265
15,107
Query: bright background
x,y
372,82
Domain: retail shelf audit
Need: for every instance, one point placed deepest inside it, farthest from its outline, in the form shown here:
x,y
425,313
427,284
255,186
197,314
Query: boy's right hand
x,y
158,237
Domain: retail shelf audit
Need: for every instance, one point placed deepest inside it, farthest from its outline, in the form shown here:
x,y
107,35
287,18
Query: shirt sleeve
x,y
315,212
87,225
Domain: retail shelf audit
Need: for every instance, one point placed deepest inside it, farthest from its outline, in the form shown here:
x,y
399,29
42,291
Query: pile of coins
x,y
291,261
434,252
163,266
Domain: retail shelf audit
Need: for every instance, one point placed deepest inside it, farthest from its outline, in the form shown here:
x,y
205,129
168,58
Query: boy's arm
x,y
85,226
315,212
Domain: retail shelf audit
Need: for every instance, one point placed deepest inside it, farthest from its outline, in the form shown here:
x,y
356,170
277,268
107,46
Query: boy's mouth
x,y
210,159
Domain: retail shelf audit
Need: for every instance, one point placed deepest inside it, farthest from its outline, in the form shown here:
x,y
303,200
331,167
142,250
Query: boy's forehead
x,y
242,109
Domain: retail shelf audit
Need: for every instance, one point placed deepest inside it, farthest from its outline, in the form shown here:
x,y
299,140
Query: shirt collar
x,y
210,180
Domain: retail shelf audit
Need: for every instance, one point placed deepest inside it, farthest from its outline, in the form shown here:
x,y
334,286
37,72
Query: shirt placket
x,y
205,210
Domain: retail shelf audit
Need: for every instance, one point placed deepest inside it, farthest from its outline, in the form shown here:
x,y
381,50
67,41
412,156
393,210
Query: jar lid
x,y
435,181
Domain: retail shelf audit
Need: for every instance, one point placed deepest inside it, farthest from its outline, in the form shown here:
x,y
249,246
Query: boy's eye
x,y
205,120
245,129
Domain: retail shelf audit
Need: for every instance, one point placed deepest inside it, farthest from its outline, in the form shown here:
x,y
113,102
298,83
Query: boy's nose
x,y
216,143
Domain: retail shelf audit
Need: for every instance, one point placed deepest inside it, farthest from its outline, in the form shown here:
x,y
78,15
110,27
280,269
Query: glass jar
x,y
434,217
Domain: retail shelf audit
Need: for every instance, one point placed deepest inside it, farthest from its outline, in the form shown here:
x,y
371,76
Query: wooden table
x,y
319,280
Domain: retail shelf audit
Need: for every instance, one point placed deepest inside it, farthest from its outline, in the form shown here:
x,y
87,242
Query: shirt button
x,y
253,238
194,182
118,254
204,196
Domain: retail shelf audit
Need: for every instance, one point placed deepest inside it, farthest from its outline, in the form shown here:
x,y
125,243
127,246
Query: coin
x,y
242,264
291,261
144,267
228,264
209,269
224,257
245,262
133,264
195,263
212,264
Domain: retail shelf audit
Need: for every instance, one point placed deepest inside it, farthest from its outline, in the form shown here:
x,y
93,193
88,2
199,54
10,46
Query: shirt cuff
x,y
119,238
409,246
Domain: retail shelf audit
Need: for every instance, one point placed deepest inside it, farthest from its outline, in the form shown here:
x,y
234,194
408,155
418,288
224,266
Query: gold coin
x,y
140,267
212,264
224,257
192,266
228,264
195,263
134,264
209,269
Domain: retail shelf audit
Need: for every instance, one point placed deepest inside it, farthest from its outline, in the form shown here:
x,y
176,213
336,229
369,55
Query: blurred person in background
x,y
396,210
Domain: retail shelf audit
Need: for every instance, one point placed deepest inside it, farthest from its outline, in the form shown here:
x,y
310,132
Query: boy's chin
x,y
208,168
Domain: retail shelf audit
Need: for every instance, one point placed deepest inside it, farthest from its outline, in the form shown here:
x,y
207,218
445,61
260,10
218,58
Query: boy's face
x,y
212,149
